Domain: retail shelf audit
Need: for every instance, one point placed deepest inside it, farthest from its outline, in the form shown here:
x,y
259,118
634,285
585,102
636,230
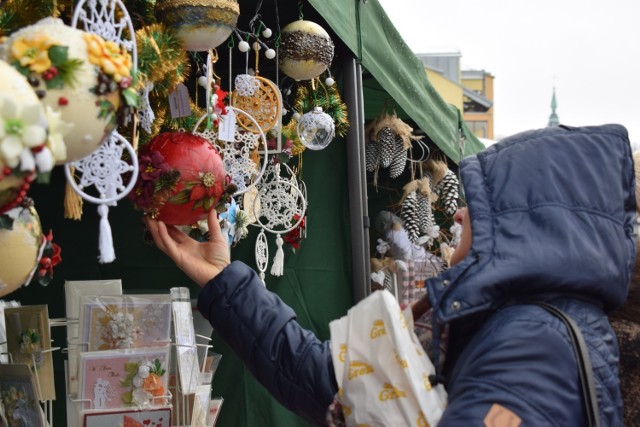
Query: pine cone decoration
x,y
409,216
399,159
372,153
448,191
425,214
387,142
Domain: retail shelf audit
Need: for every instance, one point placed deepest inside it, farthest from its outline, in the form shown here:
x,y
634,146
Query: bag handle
x,y
585,370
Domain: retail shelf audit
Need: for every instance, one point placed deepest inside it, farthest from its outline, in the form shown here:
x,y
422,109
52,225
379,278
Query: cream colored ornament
x,y
19,249
306,50
87,95
200,24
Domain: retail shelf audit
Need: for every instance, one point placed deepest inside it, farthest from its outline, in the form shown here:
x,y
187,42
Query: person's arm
x,y
519,366
294,366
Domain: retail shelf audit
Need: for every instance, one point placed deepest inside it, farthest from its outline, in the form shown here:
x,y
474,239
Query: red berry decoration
x,y
62,101
181,178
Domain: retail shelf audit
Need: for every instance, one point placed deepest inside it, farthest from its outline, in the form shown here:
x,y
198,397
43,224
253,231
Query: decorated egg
x,y
306,50
78,75
200,24
181,179
20,240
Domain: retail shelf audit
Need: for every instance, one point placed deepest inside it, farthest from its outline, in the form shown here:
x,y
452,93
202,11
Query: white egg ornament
x,y
82,78
200,24
306,50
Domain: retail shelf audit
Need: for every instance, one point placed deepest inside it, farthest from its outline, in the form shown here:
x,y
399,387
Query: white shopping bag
x,y
381,369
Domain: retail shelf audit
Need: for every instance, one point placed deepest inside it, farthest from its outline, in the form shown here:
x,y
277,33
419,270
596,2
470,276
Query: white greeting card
x,y
18,396
126,321
185,341
134,418
73,291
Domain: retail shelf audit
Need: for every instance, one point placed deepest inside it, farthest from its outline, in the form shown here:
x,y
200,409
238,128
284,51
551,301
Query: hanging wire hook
x,y
426,152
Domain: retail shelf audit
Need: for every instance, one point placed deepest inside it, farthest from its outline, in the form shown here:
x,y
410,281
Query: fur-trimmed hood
x,y
552,212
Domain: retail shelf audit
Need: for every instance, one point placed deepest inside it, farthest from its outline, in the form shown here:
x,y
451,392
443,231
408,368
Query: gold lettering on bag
x,y
427,383
401,362
346,410
389,392
357,369
378,329
343,352
403,320
422,420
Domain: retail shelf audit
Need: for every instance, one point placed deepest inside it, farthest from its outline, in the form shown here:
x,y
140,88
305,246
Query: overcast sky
x,y
589,50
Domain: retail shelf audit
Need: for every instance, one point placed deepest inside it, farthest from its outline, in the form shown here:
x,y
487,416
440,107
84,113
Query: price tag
x,y
227,126
179,102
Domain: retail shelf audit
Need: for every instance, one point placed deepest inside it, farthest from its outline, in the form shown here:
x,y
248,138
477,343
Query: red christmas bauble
x,y
181,178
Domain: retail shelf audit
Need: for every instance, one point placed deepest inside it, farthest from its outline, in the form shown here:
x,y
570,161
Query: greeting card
x,y
18,396
215,405
185,339
124,378
4,358
125,321
29,342
134,418
73,291
201,406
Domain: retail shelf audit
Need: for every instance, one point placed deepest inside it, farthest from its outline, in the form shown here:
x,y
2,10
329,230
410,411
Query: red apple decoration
x,y
181,179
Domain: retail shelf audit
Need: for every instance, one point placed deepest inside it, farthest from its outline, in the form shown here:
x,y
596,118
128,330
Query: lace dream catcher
x,y
104,169
237,147
279,208
259,97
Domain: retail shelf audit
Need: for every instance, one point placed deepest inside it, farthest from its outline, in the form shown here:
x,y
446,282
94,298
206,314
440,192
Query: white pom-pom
x,y
329,81
256,46
270,54
296,116
202,81
243,46
266,33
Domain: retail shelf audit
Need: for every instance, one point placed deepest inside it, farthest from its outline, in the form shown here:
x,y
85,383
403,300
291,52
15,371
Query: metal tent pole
x,y
356,173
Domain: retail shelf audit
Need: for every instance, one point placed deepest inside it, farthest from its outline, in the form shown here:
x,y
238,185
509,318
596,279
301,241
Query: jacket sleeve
x,y
288,360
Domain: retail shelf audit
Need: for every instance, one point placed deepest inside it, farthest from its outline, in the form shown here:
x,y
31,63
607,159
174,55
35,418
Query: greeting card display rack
x,y
183,399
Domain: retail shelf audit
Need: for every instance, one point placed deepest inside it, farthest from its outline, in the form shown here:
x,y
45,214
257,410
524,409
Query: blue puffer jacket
x,y
552,215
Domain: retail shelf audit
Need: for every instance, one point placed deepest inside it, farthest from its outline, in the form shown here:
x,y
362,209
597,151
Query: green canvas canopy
x,y
364,27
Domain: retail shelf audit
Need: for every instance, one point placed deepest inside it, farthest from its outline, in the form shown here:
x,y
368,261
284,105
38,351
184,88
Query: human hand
x,y
201,261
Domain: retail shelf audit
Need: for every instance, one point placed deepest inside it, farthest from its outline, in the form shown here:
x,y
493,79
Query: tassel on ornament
x,y
72,201
277,268
107,253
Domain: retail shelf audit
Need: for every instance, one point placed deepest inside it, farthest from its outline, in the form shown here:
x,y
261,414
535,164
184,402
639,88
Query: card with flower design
x,y
18,396
29,342
124,378
73,291
125,321
135,418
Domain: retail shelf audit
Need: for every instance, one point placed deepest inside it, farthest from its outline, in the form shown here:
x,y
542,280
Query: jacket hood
x,y
552,212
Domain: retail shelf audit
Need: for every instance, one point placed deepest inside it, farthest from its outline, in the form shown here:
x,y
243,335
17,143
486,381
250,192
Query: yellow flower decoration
x,y
33,52
108,56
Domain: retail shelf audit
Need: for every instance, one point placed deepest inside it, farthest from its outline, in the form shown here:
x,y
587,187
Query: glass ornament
x,y
316,129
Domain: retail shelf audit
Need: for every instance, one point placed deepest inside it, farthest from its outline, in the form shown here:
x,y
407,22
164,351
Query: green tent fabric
x,y
365,28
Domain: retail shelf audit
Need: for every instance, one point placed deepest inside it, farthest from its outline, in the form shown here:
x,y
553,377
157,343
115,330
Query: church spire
x,y
553,118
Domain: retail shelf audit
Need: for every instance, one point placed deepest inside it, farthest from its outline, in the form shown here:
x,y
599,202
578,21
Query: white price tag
x,y
227,126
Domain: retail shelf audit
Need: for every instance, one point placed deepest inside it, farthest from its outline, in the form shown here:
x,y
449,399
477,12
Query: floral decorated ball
x,y
181,179
200,24
306,50
30,137
77,74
